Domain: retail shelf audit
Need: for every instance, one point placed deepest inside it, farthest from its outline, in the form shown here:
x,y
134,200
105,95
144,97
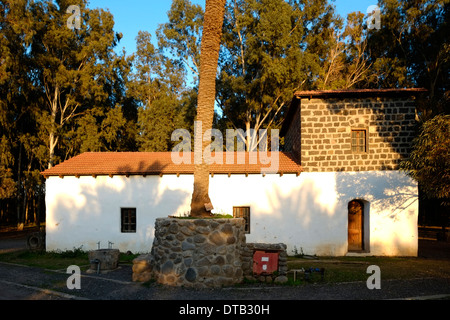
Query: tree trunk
x,y
52,144
212,32
53,139
19,184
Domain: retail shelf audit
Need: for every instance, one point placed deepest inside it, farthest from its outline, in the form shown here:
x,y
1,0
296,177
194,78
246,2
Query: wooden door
x,y
355,226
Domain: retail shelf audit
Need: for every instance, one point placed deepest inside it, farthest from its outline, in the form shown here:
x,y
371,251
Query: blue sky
x,y
133,15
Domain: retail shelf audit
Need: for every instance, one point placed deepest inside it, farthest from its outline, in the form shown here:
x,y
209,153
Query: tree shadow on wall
x,y
93,213
390,191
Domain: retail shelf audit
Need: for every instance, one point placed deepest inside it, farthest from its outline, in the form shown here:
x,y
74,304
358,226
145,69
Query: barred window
x,y
359,141
128,219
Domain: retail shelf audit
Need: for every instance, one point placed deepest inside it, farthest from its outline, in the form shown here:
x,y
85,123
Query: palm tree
x,y
212,32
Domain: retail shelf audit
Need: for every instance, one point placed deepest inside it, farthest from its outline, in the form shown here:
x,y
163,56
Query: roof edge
x,y
69,168
359,92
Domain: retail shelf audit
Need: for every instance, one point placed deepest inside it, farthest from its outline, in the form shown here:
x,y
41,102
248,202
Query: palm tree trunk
x,y
212,32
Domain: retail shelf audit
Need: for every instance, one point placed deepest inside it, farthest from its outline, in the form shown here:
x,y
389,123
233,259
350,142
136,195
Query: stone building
x,y
360,137
336,190
352,130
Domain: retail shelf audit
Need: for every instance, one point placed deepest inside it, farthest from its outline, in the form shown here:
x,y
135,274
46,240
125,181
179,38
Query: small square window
x,y
359,141
128,219
243,212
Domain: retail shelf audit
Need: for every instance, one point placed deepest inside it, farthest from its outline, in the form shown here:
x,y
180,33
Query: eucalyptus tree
x,y
58,73
271,48
181,35
158,84
73,65
412,49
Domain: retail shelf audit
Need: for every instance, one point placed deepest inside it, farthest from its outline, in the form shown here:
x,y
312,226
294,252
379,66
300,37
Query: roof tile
x,y
154,163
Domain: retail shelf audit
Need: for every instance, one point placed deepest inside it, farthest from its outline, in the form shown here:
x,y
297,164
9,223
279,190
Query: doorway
x,y
355,226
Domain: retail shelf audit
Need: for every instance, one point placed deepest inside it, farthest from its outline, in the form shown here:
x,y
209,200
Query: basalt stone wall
x,y
198,253
321,133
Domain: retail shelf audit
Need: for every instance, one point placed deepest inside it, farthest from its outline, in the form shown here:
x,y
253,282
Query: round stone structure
x,y
199,253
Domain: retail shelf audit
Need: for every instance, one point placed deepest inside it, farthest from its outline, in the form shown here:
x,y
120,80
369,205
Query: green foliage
x,y
75,67
429,162
8,187
412,49
181,36
272,48
165,104
7,184
157,123
187,215
49,260
61,93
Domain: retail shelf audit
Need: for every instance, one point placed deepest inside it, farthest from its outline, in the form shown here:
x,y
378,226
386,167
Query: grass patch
x,y
47,260
348,269
213,216
56,260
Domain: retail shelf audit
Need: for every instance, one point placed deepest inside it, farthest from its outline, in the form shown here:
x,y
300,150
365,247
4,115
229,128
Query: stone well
x,y
200,253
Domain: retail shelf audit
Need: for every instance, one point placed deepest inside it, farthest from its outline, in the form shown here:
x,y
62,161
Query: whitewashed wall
x,y
306,212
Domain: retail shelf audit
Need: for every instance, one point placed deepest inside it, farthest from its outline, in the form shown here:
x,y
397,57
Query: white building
x,y
337,189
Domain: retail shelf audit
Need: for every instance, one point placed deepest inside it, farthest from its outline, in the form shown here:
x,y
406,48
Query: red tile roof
x,y
155,163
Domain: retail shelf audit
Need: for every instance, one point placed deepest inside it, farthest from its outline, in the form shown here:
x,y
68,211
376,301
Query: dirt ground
x,y
12,241
431,249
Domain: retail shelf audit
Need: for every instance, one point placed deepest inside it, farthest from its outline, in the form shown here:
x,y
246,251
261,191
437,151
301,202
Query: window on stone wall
x,y
128,219
359,140
243,212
